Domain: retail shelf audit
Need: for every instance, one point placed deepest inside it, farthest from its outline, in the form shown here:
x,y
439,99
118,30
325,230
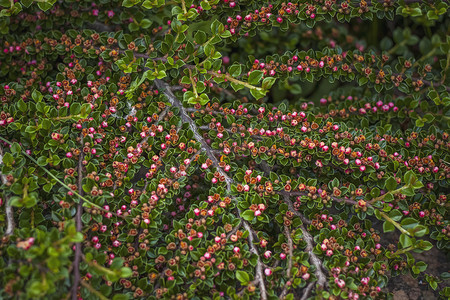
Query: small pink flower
x,y
365,280
268,272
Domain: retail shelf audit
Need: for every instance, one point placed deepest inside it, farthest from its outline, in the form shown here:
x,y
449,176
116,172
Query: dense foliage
x,y
222,149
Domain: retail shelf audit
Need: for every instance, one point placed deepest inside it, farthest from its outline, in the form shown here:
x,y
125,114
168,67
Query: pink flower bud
x,y
267,254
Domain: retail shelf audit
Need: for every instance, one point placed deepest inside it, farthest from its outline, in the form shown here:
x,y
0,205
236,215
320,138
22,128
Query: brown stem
x,y
259,273
321,278
307,291
292,208
228,180
291,254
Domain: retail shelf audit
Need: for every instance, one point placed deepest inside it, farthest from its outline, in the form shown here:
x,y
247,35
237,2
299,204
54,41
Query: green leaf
x,y
42,161
409,224
419,123
405,240
125,272
75,108
424,245
15,148
44,5
36,95
390,184
258,94
395,215
388,227
362,81
235,70
146,23
22,106
8,159
410,178
417,185
200,37
375,192
243,277
236,86
420,230
268,82
248,215
255,77
408,191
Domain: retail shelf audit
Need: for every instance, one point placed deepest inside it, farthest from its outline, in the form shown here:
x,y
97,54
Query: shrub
x,y
221,149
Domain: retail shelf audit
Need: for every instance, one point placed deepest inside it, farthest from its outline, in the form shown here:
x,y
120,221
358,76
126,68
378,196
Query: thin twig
x,y
291,254
228,180
10,224
321,278
292,208
307,291
259,273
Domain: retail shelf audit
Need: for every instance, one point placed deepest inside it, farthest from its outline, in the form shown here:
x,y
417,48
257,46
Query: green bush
x,y
222,149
